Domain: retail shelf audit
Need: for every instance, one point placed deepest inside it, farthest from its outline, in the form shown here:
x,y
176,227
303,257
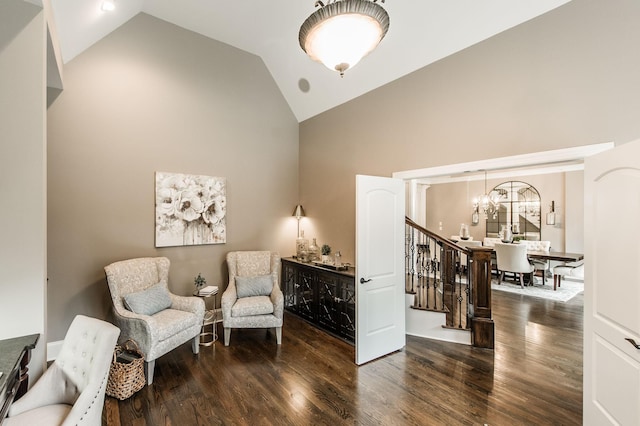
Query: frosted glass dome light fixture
x,y
342,32
108,5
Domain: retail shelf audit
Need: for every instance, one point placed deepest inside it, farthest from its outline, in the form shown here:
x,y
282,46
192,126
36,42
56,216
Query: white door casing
x,y
380,310
612,287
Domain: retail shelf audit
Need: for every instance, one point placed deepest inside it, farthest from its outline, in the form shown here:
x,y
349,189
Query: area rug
x,y
564,293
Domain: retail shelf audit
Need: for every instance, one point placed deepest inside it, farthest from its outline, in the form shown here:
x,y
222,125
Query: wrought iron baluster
x,y
444,280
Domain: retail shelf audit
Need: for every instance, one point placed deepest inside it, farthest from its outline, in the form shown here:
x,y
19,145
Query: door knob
x,y
362,280
633,342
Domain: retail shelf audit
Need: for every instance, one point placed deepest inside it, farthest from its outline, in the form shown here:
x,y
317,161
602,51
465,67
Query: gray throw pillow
x,y
149,301
261,285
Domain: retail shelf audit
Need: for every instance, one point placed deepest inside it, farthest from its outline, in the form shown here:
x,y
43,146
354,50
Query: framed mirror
x,y
518,208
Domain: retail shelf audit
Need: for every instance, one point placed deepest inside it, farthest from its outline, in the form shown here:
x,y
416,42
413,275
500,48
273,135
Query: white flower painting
x,y
190,210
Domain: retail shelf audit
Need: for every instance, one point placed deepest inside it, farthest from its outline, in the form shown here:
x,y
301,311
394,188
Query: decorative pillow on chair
x,y
149,301
261,285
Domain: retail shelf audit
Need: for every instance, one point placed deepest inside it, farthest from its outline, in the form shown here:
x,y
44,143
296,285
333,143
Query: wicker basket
x,y
126,374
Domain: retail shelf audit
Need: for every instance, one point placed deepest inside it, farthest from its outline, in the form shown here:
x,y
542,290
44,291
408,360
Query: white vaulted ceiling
x,y
420,32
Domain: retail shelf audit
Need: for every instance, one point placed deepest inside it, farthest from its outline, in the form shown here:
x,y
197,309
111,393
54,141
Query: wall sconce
x,y
551,216
475,216
298,213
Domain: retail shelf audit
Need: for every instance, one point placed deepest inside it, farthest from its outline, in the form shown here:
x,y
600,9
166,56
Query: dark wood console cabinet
x,y
324,297
14,360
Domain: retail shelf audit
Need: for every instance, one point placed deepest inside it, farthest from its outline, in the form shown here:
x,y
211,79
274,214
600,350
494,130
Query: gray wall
x,y
23,184
567,78
154,97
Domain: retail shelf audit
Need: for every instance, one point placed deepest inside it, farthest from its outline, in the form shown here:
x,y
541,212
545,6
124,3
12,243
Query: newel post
x,y
482,326
448,277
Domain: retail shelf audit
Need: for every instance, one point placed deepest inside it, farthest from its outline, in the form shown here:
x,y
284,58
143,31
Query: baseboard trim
x,y
53,350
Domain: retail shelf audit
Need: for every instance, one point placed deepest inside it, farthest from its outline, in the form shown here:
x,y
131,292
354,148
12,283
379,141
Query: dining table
x,y
559,256
555,255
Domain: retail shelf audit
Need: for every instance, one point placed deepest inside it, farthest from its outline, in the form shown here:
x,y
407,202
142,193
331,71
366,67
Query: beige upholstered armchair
x,y
253,298
71,391
147,312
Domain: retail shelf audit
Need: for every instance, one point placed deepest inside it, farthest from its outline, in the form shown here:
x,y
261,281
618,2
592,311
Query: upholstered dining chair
x,y
463,256
512,258
71,391
253,298
575,269
541,266
147,312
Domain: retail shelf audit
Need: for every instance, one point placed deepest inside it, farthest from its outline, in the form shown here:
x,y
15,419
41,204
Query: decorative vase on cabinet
x,y
302,248
313,251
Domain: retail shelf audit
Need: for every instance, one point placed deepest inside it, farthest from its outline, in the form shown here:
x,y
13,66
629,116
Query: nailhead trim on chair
x,y
103,384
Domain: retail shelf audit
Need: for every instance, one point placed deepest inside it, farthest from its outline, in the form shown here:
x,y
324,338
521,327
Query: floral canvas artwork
x,y
190,210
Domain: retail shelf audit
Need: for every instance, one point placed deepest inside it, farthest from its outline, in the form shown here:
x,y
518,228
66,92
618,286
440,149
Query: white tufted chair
x,y
490,242
537,245
160,332
575,269
466,243
512,258
71,391
539,265
257,311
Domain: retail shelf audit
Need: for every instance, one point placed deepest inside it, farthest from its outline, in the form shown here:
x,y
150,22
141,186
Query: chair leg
x,y
227,335
149,366
195,344
501,277
279,335
521,280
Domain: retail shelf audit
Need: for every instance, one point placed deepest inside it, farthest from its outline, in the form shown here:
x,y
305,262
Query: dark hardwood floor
x,y
534,377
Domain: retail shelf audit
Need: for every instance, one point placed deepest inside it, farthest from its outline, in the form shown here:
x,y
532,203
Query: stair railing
x,y
441,280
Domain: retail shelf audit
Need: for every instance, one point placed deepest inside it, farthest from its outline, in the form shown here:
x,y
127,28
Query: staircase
x,y
448,289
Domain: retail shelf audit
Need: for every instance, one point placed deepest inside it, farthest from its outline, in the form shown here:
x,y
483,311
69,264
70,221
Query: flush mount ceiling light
x,y
342,32
108,5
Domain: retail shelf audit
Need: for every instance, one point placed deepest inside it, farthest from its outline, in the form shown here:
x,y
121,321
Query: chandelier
x,y
342,32
487,202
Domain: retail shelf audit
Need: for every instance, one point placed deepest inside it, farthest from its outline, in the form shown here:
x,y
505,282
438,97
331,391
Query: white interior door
x,y
612,287
380,327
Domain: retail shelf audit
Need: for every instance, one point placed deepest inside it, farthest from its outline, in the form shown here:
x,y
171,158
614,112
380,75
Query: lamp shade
x,y
341,33
298,212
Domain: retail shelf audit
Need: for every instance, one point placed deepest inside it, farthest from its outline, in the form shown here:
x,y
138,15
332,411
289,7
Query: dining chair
x,y
463,256
512,258
541,266
575,269
490,241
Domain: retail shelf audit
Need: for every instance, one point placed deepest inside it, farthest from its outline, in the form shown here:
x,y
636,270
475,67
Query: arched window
x,y
518,208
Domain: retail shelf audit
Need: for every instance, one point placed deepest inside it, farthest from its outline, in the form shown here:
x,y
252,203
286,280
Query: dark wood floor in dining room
x,y
534,377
